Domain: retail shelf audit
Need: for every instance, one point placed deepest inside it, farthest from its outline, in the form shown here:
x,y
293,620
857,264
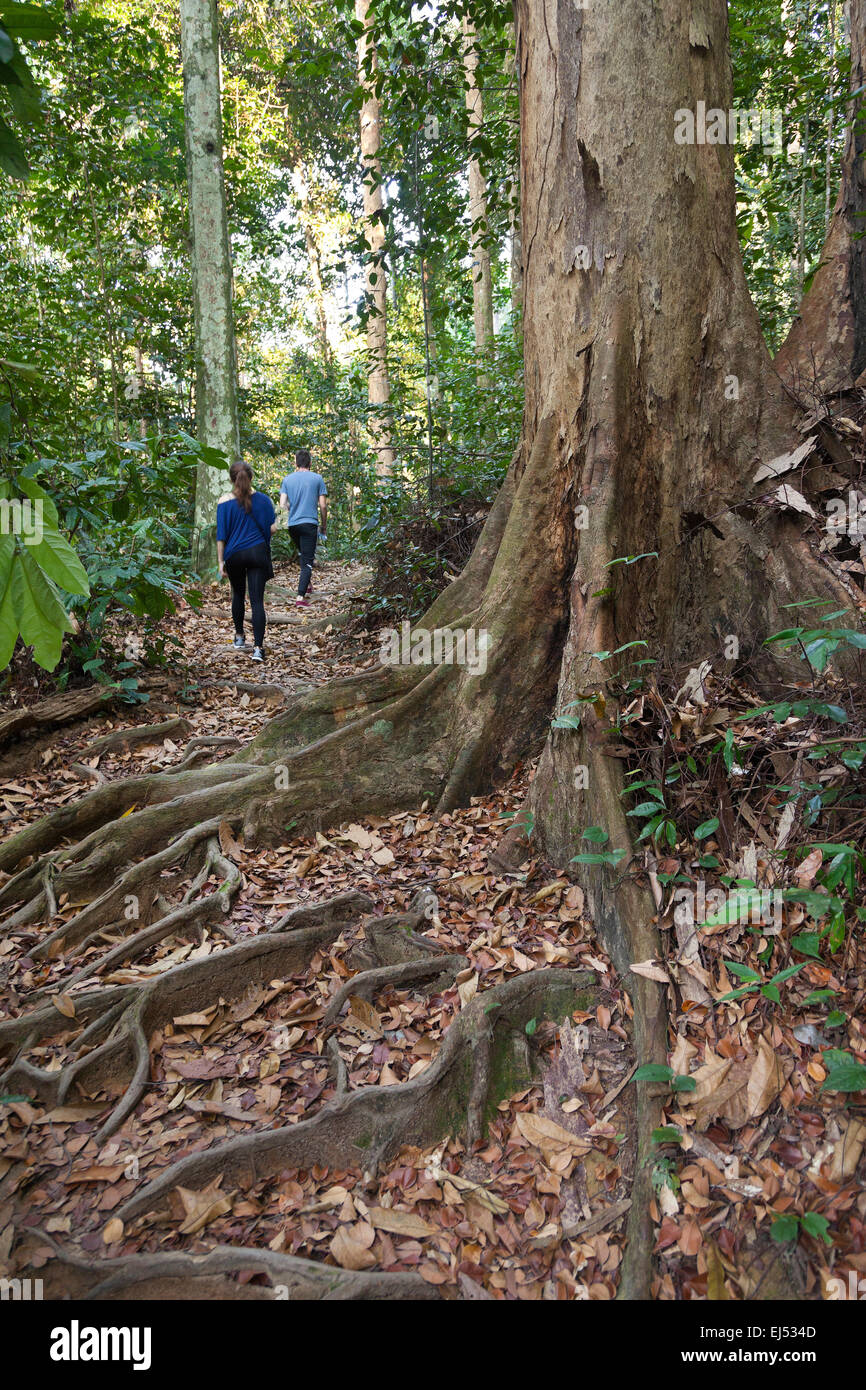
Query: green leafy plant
x,y
786,1228
597,836
664,1075
770,989
844,1072
37,566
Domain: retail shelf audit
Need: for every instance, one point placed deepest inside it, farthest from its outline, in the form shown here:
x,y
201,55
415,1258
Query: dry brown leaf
x,y
359,836
202,1207
804,873
651,970
690,1240
737,1092
228,844
550,1137
112,1231
548,891
716,1289
365,1014
467,989
400,1223
351,1252
64,1005
847,1151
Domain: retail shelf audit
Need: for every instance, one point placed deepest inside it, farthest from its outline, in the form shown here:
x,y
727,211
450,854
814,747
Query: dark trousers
x,y
305,537
247,569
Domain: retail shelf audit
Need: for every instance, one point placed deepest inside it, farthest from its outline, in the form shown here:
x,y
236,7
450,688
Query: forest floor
x,y
536,1209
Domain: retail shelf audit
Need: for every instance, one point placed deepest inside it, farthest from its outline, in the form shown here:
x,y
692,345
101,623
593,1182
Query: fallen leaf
x,y
349,1251
399,1223
651,970
228,844
550,1137
202,1207
112,1231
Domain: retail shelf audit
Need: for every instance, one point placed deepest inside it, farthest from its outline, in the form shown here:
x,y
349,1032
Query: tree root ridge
x,y
173,1275
365,1127
133,1012
141,881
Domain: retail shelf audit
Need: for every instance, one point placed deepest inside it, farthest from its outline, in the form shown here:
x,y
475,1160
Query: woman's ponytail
x,y
242,484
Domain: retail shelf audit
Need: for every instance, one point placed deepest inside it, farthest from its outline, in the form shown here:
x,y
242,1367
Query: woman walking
x,y
246,521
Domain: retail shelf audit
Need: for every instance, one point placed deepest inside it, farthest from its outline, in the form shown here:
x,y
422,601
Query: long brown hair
x,y
242,484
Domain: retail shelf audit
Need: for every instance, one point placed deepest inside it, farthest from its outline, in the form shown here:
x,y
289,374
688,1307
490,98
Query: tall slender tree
x,y
482,282
378,380
216,406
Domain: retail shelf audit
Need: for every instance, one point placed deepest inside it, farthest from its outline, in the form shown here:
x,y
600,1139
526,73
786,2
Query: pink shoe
x,y
301,602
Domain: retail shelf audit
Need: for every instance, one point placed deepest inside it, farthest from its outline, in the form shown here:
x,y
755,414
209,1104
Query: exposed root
x,y
133,1012
341,1071
119,740
212,909
365,1127
177,1275
197,749
437,969
139,883
118,822
338,911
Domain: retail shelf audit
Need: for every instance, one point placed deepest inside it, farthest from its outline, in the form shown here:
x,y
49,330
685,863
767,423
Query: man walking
x,y
304,497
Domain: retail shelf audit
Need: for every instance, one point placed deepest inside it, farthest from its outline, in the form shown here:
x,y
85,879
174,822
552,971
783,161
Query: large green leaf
x,y
8,620
29,21
36,492
13,159
58,560
42,619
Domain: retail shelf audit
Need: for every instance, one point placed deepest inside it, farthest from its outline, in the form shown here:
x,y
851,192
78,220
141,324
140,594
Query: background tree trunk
x,y
825,351
482,283
378,381
216,407
301,183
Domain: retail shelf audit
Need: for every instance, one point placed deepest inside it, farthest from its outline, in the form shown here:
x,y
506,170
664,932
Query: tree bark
x,y
825,351
482,282
301,181
378,380
216,406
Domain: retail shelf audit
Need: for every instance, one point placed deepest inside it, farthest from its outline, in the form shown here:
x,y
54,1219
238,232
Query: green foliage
x,y
754,981
37,565
596,835
664,1075
127,508
786,1228
844,1072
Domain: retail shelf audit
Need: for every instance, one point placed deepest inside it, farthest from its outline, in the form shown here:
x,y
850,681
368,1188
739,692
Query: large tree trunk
x,y
825,351
216,406
650,398
378,381
482,282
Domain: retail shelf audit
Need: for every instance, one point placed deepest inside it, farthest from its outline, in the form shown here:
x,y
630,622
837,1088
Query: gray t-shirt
x,y
303,489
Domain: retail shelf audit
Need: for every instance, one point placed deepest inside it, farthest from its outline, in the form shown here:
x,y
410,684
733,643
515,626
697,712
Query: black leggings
x,y
305,537
247,569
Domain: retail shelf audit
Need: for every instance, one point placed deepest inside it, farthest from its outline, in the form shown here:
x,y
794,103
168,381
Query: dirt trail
x,y
283,1050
